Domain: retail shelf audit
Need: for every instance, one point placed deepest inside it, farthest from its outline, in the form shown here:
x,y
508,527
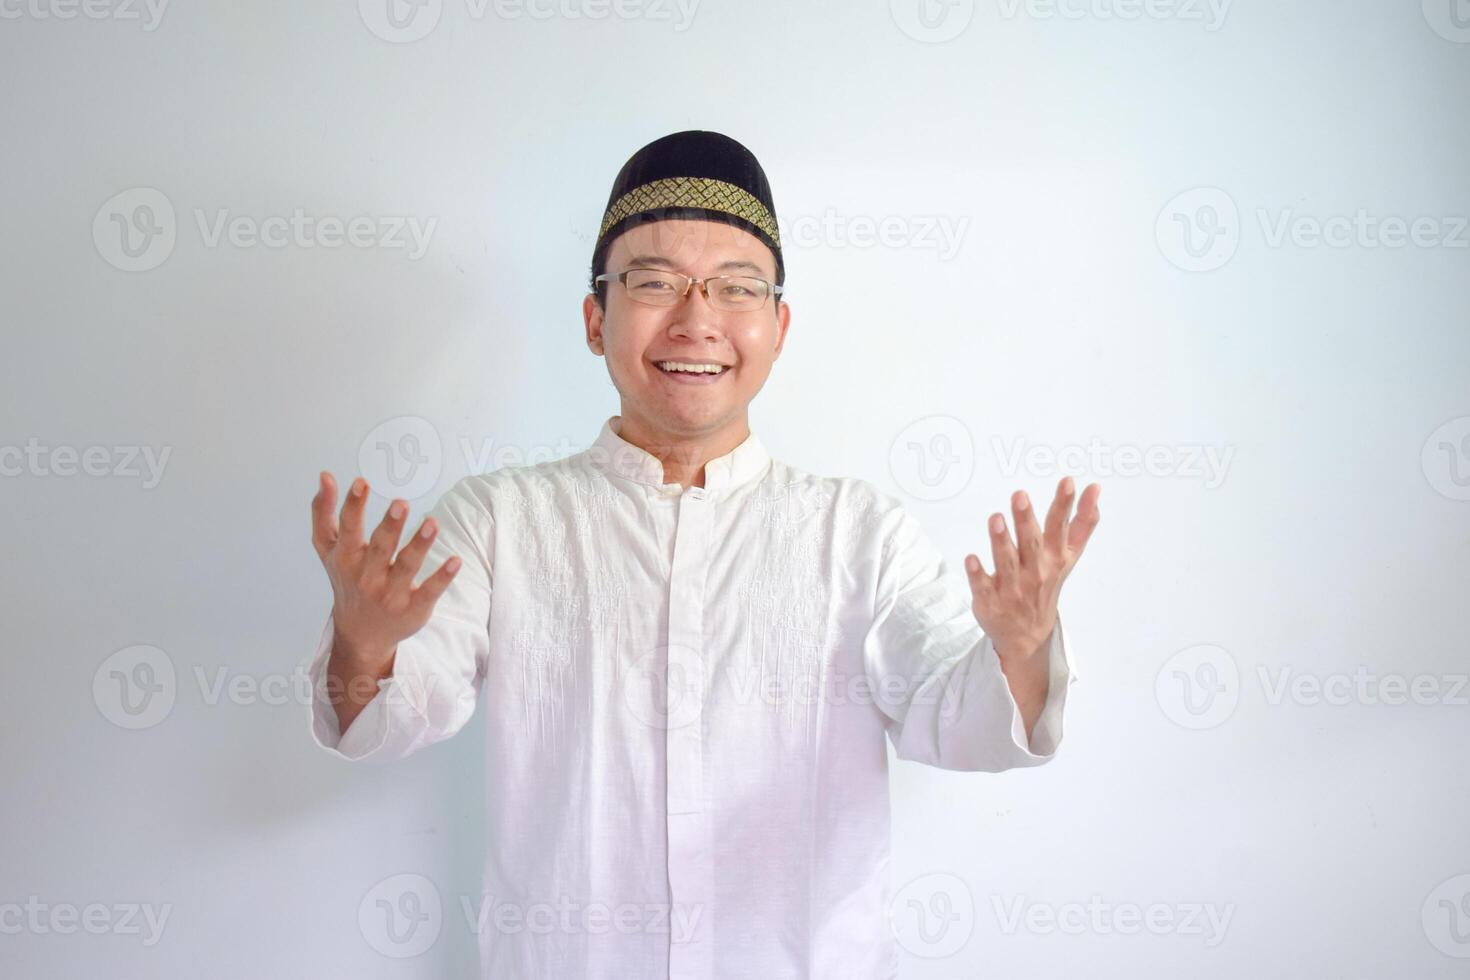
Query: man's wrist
x,y
1028,679
354,671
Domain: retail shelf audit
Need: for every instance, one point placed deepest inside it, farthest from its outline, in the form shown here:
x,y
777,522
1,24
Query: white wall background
x,y
1326,547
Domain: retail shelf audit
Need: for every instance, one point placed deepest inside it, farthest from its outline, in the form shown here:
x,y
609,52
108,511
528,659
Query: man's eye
x,y
653,284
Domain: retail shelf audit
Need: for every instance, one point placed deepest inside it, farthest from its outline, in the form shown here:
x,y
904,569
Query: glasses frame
x,y
772,290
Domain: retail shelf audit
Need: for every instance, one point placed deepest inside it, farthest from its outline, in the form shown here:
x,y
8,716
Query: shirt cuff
x,y
1046,735
391,710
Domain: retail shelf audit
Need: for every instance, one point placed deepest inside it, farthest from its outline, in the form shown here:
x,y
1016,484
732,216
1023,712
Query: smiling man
x,y
692,654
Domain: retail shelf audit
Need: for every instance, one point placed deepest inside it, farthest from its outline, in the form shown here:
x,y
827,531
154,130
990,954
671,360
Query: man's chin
x,y
689,418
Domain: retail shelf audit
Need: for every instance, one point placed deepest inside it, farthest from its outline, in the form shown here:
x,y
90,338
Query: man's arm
x,y
381,697
969,700
1017,605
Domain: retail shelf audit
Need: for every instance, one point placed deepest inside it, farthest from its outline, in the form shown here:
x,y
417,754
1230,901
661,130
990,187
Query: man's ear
x,y
783,321
592,316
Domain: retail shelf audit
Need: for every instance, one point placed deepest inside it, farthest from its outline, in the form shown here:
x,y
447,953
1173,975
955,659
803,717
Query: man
x,y
692,653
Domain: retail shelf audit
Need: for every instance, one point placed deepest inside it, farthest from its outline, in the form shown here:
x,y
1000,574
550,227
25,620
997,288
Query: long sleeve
x,y
436,672
948,703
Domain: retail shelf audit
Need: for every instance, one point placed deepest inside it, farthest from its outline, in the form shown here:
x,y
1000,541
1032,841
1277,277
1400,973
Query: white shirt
x,y
688,692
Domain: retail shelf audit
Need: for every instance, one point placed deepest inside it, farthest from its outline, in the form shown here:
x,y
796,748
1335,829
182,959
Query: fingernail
x,y
1067,485
359,487
997,523
396,509
1024,503
972,564
426,530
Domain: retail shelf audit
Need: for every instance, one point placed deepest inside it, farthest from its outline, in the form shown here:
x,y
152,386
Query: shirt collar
x,y
610,451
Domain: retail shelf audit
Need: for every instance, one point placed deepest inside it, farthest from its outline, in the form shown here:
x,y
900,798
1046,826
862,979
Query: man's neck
x,y
683,456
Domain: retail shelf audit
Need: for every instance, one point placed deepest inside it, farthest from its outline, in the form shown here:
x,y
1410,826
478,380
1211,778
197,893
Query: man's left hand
x,y
1017,605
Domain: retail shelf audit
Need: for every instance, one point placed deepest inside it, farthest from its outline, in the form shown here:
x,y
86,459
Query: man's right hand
x,y
374,601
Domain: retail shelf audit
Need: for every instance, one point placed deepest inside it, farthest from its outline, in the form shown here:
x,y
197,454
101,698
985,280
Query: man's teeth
x,y
691,368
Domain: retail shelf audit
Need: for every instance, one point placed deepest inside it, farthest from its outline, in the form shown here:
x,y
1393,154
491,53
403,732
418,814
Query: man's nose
x,y
694,317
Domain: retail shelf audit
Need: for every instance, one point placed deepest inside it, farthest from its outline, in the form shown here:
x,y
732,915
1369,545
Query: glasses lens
x,y
655,288
737,293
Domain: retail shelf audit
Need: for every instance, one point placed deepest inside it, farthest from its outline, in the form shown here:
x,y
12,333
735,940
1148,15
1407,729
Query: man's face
x,y
635,338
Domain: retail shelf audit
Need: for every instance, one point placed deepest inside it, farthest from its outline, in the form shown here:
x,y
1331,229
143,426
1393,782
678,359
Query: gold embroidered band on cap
x,y
692,192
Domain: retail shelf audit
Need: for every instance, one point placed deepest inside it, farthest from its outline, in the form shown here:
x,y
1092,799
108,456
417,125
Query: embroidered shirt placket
x,y
689,855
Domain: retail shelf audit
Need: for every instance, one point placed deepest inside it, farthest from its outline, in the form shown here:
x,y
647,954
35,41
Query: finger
x,y
350,535
1088,514
386,535
323,514
980,580
433,587
1006,561
1028,532
1055,534
411,558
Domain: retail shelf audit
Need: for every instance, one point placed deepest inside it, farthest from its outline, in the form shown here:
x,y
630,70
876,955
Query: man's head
x,y
696,204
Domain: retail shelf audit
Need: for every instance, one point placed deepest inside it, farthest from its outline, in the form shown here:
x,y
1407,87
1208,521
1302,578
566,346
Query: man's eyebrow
x,y
663,262
639,261
740,264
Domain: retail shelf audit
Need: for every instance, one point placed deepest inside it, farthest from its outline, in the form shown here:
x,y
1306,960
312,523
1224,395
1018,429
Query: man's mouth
x,y
684,372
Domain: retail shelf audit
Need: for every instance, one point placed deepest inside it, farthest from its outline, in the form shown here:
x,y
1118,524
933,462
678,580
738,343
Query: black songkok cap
x,y
693,174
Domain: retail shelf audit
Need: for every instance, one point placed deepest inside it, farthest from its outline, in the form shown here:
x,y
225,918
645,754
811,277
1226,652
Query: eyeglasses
x,y
654,287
